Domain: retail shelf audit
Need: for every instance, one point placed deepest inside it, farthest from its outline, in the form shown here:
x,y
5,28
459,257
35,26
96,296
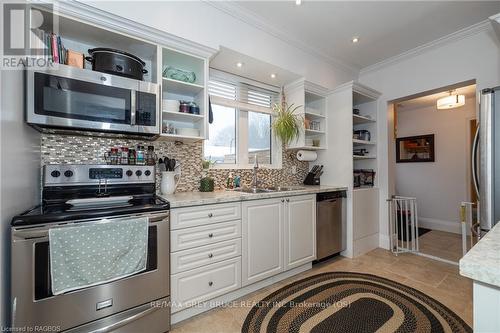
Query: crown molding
x,y
455,36
90,14
235,10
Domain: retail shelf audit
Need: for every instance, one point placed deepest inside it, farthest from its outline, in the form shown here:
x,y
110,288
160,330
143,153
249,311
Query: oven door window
x,y
42,281
74,99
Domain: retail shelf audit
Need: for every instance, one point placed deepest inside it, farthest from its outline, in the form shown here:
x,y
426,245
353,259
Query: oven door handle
x,y
125,321
43,232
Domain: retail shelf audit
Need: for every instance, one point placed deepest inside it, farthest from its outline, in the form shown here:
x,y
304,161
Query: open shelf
x,y
182,138
313,148
181,116
313,115
313,132
362,142
357,119
181,88
366,157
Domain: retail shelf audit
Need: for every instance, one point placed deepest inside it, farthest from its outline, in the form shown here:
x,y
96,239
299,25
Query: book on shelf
x,y
52,45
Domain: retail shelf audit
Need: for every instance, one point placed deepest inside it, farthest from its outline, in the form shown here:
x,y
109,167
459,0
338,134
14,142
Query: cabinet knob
x,y
287,200
210,235
210,283
210,215
210,255
282,200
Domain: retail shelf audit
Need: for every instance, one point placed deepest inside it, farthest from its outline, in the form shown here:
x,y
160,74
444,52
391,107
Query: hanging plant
x,y
287,123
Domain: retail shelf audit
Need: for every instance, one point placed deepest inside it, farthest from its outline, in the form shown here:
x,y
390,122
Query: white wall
x,y
474,57
19,171
439,186
202,23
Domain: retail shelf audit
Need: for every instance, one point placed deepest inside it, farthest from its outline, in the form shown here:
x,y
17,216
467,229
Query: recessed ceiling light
x,y
298,2
355,39
273,76
239,64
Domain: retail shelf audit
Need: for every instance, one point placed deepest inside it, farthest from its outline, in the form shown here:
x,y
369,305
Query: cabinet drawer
x,y
198,236
204,255
201,215
205,283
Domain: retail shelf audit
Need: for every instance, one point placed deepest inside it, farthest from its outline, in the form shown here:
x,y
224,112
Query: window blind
x,y
242,96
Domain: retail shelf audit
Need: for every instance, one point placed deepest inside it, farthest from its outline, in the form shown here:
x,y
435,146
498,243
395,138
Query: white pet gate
x,y
403,224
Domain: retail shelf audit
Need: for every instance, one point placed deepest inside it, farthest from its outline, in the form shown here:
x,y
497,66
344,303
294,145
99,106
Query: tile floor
x,y
436,279
442,244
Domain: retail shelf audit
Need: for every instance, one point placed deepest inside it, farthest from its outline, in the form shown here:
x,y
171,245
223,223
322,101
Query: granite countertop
x,y
185,199
482,262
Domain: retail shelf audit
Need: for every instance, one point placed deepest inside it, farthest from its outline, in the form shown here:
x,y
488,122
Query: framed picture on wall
x,y
413,149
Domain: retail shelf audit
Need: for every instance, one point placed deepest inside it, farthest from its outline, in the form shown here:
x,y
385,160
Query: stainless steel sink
x,y
285,188
269,189
253,190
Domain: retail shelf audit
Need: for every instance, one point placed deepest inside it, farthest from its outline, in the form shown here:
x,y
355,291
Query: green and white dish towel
x,y
91,254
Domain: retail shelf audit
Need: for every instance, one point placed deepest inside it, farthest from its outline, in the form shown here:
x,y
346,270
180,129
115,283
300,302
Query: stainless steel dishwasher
x,y
330,223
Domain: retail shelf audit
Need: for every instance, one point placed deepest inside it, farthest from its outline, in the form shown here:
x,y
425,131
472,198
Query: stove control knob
x,y
138,173
147,173
129,173
55,173
68,173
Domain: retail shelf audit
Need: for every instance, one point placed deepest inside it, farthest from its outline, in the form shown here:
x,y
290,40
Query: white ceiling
x,y
430,100
385,29
226,59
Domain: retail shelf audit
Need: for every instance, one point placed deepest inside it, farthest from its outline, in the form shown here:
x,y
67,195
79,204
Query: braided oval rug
x,y
350,302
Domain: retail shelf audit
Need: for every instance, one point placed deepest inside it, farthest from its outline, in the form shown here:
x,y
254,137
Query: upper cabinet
x,y
184,96
311,100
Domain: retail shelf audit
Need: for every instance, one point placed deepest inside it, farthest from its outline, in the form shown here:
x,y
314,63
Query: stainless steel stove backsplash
x,y
86,149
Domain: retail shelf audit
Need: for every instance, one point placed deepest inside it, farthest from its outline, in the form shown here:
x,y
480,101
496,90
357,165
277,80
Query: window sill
x,y
243,166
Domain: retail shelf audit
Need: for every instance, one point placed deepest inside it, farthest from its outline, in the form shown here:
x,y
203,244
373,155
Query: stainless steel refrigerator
x,y
486,159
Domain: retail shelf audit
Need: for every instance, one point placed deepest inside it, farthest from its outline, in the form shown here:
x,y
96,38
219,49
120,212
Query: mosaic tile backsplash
x,y
70,149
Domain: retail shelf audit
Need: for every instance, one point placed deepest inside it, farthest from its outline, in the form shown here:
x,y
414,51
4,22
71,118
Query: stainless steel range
x,y
85,194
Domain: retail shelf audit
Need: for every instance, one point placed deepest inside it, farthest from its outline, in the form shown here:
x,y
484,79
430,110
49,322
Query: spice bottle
x,y
124,155
140,156
113,156
150,156
131,156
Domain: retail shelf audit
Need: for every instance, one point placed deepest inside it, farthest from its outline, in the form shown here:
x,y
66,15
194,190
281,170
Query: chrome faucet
x,y
255,180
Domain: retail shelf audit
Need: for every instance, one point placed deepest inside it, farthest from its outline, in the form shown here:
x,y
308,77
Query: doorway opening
x,y
430,146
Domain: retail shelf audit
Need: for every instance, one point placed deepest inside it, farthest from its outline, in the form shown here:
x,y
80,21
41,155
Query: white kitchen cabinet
x,y
204,283
262,235
188,238
300,230
277,235
186,217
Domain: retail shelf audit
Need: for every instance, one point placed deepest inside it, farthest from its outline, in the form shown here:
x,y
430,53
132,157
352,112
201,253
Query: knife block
x,y
310,180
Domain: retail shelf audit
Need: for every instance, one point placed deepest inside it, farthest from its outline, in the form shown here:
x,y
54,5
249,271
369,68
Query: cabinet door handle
x,y
287,200
210,215
210,255
210,235
282,200
210,283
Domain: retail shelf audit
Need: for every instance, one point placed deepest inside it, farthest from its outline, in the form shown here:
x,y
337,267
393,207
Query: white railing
x,y
403,224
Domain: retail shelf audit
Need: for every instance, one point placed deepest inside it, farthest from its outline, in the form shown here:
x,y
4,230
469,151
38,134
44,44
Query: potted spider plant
x,y
287,123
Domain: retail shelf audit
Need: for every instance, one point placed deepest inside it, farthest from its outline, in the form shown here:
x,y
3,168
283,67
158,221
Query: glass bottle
x,y
140,156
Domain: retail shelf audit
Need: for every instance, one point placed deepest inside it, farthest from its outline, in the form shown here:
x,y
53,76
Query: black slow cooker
x,y
116,62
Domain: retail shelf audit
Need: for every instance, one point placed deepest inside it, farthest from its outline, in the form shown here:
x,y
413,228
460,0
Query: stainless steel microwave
x,y
74,99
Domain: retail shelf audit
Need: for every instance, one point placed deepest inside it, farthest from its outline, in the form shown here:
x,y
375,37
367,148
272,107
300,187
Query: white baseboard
x,y
229,297
441,225
365,244
384,241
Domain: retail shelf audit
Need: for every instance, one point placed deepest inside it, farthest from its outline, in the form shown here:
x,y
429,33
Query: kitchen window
x,y
241,126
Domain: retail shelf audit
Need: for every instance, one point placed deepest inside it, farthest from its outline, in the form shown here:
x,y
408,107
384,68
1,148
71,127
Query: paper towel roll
x,y
307,155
